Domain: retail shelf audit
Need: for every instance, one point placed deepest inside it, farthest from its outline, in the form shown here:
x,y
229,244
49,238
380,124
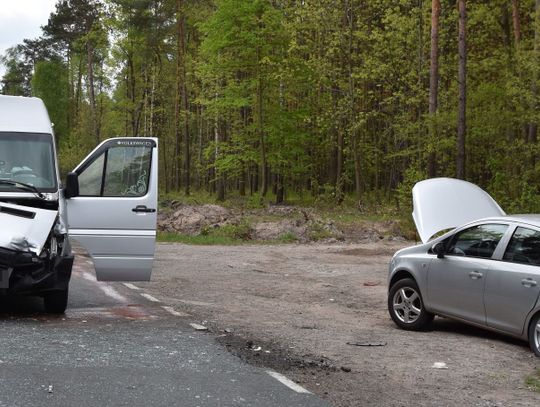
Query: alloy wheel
x,y
407,306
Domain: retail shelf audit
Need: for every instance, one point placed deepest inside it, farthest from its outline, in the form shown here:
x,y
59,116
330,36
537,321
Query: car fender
x,y
535,310
414,264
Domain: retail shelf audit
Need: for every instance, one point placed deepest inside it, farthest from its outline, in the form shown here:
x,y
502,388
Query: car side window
x,y
478,241
524,247
120,171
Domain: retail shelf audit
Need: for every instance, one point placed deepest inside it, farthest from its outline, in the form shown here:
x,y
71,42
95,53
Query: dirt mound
x,y
191,220
276,230
286,223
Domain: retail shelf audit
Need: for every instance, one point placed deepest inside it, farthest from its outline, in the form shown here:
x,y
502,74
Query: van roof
x,y
23,115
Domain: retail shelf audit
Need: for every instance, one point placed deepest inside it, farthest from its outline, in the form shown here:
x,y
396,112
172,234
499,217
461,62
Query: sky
x,y
20,19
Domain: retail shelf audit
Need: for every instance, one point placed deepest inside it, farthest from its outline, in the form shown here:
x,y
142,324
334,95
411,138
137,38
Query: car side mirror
x,y
439,249
71,189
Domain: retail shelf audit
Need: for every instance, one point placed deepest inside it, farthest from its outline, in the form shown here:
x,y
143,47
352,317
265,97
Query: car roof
x,y
23,115
531,219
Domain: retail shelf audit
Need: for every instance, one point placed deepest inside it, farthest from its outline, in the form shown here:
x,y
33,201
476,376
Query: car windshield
x,y
27,158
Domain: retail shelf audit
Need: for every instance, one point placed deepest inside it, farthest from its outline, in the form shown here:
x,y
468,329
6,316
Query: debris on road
x,y
439,365
371,283
367,343
346,369
198,327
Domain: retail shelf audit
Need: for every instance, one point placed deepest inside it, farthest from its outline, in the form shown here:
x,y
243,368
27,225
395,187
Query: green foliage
x,y
288,237
317,232
50,83
533,381
412,176
314,103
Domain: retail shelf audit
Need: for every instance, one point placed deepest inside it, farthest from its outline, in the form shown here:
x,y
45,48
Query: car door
x,y
114,215
512,285
456,281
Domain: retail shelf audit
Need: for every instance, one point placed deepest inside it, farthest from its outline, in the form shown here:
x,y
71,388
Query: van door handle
x,y
143,208
475,275
528,282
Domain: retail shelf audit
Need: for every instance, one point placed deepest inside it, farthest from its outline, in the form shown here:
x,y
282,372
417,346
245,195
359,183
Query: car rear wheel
x,y
55,302
534,335
406,306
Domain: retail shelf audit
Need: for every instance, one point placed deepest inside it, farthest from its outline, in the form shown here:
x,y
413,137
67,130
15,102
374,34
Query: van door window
x,y
120,171
91,178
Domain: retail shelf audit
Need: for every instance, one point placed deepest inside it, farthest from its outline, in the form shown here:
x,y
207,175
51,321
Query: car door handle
x,y
475,275
528,282
143,208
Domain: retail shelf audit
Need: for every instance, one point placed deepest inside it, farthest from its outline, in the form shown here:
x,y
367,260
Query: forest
x,y
347,101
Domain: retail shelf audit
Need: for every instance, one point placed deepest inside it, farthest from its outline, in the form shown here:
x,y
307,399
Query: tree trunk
x,y
280,189
184,115
462,83
433,85
260,130
339,168
242,181
533,127
352,113
179,126
91,89
220,184
516,22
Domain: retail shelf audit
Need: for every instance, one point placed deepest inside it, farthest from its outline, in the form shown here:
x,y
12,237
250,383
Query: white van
x,y
108,204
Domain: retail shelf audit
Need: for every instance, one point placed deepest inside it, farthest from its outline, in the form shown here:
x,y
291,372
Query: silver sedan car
x,y
485,272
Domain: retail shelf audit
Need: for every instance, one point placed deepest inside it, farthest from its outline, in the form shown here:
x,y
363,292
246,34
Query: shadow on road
x,y
451,326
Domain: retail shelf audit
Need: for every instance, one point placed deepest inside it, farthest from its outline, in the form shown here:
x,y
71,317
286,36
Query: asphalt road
x,y
115,347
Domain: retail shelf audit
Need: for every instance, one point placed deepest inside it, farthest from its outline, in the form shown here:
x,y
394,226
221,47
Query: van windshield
x,y
27,158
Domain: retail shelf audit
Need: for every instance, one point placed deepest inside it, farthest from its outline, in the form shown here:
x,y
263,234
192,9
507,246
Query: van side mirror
x,y
71,189
439,249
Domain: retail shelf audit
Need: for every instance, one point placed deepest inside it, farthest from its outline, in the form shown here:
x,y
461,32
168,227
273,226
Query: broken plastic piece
x,y
367,343
439,365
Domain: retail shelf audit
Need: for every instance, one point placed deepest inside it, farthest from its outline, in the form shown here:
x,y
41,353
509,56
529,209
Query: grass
x,y
533,381
200,240
317,232
288,237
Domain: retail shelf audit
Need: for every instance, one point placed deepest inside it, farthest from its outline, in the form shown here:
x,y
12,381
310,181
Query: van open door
x,y
114,213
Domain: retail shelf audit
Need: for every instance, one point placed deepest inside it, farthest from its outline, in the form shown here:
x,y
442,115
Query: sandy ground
x,y
302,304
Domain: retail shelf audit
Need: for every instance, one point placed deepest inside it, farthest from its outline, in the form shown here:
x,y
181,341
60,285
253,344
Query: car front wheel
x,y
534,335
406,306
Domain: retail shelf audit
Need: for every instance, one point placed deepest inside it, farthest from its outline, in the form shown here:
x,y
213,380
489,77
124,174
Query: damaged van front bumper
x,y
26,273
35,256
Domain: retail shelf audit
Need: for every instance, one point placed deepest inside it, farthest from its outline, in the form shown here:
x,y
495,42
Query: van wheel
x,y
534,335
55,302
406,306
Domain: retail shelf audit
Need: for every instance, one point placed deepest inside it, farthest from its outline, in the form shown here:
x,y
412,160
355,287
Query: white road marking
x,y
111,292
287,382
150,298
131,286
174,312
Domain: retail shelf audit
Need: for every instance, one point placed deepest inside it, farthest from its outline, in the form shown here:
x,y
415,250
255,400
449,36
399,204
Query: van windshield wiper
x,y
23,185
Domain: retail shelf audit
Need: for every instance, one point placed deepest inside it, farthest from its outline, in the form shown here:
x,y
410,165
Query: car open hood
x,y
24,228
446,203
